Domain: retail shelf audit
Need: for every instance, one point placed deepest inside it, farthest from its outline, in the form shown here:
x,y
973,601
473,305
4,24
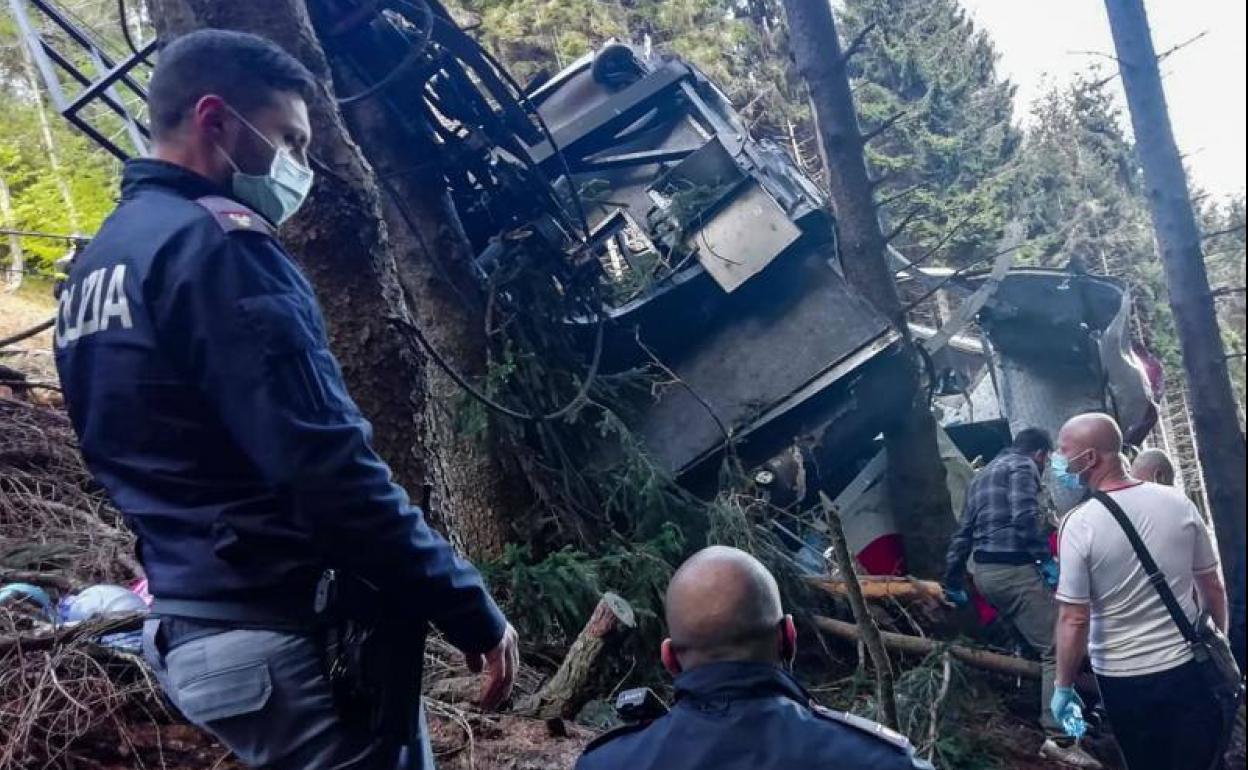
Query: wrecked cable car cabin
x,y
717,258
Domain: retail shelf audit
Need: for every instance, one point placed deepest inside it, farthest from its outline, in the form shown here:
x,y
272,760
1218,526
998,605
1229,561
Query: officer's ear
x,y
212,120
788,640
667,653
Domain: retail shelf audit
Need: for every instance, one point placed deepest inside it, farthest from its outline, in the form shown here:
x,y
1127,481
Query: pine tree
x,y
1219,437
1078,190
1223,225
945,160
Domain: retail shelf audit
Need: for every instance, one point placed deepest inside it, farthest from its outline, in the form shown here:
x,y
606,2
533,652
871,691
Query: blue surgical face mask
x,y
1061,470
278,194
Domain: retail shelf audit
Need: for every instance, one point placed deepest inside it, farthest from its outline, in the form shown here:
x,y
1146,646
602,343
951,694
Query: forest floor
x,y
80,706
30,305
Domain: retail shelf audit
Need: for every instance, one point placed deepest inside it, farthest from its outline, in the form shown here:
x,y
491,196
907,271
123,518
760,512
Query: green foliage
x,y
552,597
38,205
1225,259
738,45
89,173
962,738
948,158
1079,191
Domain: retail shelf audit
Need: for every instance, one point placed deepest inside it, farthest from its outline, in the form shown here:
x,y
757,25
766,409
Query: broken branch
x,y
855,45
1225,231
888,123
906,192
902,225
28,333
885,695
913,645
880,587
566,692
933,721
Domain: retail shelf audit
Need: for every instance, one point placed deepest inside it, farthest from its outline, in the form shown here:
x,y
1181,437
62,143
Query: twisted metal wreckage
x,y
718,257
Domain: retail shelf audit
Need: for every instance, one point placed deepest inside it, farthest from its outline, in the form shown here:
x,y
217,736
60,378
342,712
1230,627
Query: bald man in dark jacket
x,y
737,707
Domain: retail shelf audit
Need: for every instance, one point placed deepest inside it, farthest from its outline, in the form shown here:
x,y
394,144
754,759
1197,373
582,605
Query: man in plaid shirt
x,y
1003,527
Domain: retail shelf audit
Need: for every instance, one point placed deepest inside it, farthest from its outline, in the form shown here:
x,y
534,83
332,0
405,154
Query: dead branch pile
x,y
85,706
67,701
51,515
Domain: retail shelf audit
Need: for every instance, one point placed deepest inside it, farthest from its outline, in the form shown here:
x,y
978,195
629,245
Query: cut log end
x,y
619,608
565,692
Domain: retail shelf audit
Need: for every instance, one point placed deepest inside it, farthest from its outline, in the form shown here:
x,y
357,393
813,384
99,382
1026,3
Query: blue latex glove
x,y
1067,708
957,596
1049,572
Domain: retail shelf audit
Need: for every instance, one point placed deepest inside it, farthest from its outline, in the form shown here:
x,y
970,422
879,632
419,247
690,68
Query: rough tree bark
x,y
916,479
349,251
566,692
468,484
1219,439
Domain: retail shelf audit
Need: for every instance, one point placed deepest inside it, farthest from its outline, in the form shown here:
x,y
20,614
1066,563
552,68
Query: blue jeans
x,y
264,694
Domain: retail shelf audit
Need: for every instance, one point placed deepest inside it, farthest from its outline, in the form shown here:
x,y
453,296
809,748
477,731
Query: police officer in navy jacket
x,y
737,708
196,371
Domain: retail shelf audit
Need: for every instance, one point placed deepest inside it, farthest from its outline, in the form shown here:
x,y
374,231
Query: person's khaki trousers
x,y
1021,596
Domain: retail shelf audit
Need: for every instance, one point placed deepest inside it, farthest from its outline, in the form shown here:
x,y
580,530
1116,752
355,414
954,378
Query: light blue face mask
x,y
278,194
1062,473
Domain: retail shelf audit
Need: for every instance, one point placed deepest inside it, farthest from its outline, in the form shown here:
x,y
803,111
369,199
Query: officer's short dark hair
x,y
243,69
1029,441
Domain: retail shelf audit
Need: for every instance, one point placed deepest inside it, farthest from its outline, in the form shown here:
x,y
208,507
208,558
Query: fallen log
x,y
914,645
28,333
566,692
879,587
47,638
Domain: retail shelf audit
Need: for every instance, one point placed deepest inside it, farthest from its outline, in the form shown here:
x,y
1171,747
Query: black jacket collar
x,y
736,680
143,172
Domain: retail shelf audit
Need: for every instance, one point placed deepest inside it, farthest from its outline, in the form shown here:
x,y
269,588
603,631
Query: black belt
x,y
1004,557
295,615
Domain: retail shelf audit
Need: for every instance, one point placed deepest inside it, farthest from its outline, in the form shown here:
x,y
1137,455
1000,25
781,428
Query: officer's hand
x,y
501,665
957,597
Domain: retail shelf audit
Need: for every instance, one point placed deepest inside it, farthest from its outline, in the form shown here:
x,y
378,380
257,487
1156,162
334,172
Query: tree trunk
x,y
916,478
468,485
1219,440
350,253
17,261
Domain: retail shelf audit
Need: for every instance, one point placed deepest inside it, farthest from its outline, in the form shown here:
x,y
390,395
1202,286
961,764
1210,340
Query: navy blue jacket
x,y
196,370
749,716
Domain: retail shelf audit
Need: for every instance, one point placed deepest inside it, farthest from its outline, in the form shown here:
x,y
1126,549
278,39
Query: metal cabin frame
x,y
100,83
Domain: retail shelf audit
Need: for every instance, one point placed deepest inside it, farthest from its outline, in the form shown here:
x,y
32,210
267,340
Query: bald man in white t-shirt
x,y
1163,716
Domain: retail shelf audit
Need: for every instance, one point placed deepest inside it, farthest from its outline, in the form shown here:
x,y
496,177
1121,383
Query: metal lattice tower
x,y
1178,439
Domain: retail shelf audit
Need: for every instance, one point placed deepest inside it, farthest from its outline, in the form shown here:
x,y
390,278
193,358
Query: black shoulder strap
x,y
1155,575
